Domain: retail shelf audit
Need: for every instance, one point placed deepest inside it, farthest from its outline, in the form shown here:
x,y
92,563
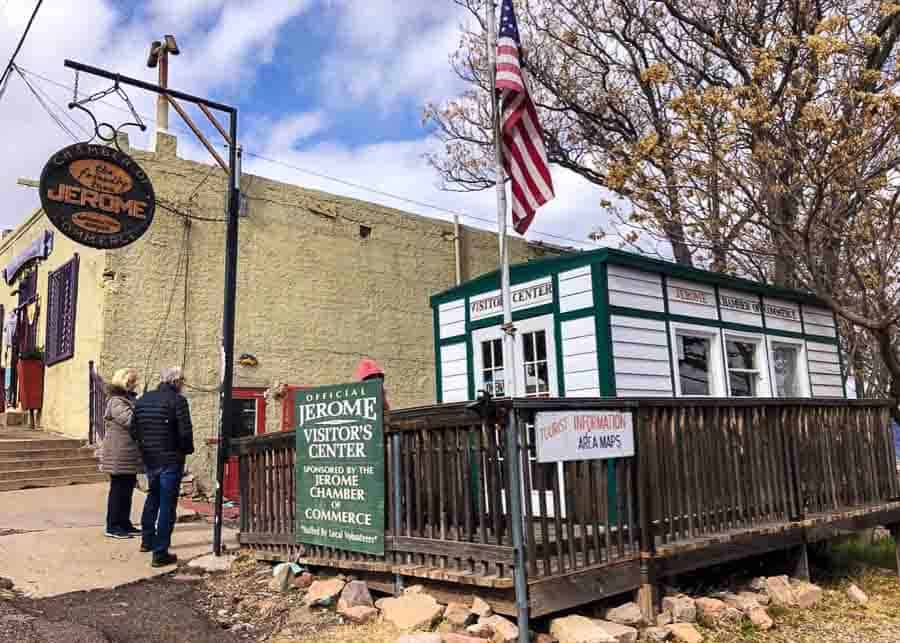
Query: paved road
x,y
55,543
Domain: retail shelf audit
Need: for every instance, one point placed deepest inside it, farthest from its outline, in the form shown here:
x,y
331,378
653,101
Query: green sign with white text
x,y
340,467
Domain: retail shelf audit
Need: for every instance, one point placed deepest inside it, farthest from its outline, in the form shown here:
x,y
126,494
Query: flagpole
x,y
509,331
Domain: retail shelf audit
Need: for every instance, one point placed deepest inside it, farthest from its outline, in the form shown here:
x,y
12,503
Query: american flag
x,y
524,156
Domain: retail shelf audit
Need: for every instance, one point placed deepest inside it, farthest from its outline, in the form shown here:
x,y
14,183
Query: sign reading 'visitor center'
x,y
97,196
340,467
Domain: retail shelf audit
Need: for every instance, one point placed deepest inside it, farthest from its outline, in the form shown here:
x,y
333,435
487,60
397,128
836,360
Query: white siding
x,y
454,373
576,289
579,357
782,315
740,307
641,357
818,321
824,370
452,318
692,299
635,289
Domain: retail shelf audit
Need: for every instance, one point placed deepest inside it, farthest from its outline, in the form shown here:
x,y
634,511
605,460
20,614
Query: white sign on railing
x,y
561,436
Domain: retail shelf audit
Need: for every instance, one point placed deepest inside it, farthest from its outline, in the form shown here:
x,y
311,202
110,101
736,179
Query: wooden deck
x,y
712,481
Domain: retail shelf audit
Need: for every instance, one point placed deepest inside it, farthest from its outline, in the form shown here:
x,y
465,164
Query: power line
x,y
352,184
46,107
8,71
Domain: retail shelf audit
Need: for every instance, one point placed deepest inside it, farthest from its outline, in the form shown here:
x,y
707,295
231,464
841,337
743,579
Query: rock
x,y
879,534
186,578
414,589
663,619
620,633
6,583
412,611
211,563
627,614
355,594
856,595
304,580
459,616
359,614
779,591
732,615
760,619
578,629
656,634
744,602
710,611
323,593
758,584
544,638
421,637
480,630
685,633
807,594
283,578
454,637
505,631
763,599
481,608
682,609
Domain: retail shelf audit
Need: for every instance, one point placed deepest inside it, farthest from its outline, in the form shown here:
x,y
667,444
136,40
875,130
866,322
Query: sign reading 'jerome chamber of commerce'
x,y
97,196
583,435
340,467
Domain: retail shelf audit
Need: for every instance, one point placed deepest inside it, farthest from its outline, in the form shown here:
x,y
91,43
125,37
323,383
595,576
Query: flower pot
x,y
31,383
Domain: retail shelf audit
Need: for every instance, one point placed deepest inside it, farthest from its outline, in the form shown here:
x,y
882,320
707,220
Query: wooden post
x,y
646,594
800,563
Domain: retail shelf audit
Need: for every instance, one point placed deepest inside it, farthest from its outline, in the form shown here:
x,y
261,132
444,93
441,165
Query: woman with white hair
x,y
120,456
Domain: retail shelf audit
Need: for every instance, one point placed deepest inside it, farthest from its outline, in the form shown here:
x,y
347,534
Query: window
x,y
62,291
743,367
534,353
694,362
492,375
243,423
787,370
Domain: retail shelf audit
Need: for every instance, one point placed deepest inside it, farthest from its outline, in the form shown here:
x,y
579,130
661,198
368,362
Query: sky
x,y
323,87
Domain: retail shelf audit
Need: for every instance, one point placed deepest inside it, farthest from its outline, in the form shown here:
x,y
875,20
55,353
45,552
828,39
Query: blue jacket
x,y
162,427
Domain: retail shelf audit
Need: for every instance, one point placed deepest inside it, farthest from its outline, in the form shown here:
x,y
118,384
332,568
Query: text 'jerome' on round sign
x,y
97,196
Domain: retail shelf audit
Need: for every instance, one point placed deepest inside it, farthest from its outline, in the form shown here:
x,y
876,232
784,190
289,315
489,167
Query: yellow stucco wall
x,y
65,383
314,295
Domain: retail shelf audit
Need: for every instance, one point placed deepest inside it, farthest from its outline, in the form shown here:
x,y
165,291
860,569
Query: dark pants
x,y
118,504
158,519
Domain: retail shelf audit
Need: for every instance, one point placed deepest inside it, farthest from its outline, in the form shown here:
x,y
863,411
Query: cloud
x,y
287,132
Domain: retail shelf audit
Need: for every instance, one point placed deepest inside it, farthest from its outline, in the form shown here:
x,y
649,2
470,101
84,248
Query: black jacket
x,y
161,425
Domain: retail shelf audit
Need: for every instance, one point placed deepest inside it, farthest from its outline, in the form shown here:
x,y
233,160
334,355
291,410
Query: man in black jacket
x,y
162,427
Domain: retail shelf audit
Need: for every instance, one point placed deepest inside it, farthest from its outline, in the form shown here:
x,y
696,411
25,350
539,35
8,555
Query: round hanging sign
x,y
97,196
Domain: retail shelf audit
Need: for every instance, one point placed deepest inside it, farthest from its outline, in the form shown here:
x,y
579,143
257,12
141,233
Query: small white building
x,y
608,323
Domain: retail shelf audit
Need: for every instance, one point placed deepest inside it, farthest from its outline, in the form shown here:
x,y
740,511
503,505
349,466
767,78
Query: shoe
x,y
163,559
123,535
134,531
146,548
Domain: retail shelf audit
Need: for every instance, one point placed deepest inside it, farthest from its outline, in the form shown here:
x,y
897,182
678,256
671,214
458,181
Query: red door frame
x,y
231,488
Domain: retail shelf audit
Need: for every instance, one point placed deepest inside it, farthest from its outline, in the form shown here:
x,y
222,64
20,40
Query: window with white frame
x,y
744,372
788,372
492,374
695,363
535,364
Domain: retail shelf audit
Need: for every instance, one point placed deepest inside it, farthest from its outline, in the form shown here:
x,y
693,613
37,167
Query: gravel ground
x,y
835,619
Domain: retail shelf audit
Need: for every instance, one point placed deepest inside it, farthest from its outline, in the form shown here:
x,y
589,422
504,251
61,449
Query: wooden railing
x,y
703,467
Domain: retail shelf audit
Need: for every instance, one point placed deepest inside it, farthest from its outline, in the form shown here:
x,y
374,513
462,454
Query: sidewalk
x,y
55,542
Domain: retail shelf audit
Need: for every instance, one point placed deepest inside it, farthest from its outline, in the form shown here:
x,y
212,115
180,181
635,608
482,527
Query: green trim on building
x,y
470,359
665,290
531,270
518,315
557,331
603,331
456,339
439,389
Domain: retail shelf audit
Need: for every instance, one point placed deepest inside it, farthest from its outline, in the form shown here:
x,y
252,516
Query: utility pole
x,y
159,58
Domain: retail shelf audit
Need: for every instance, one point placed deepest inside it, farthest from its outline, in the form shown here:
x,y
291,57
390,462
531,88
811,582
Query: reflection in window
x,y
537,380
244,418
785,362
492,376
743,371
693,364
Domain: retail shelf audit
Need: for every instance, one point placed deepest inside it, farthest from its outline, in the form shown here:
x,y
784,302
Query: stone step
x,y
13,418
36,464
59,481
49,472
47,454
40,443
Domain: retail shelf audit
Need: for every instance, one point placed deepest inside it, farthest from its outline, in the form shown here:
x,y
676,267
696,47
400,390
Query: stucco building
x,y
323,280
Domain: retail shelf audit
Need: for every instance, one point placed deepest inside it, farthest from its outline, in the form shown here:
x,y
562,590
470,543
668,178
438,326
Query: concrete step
x,y
49,472
40,443
46,453
13,418
58,481
36,464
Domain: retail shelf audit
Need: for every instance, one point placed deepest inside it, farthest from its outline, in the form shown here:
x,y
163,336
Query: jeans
x,y
158,519
118,504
